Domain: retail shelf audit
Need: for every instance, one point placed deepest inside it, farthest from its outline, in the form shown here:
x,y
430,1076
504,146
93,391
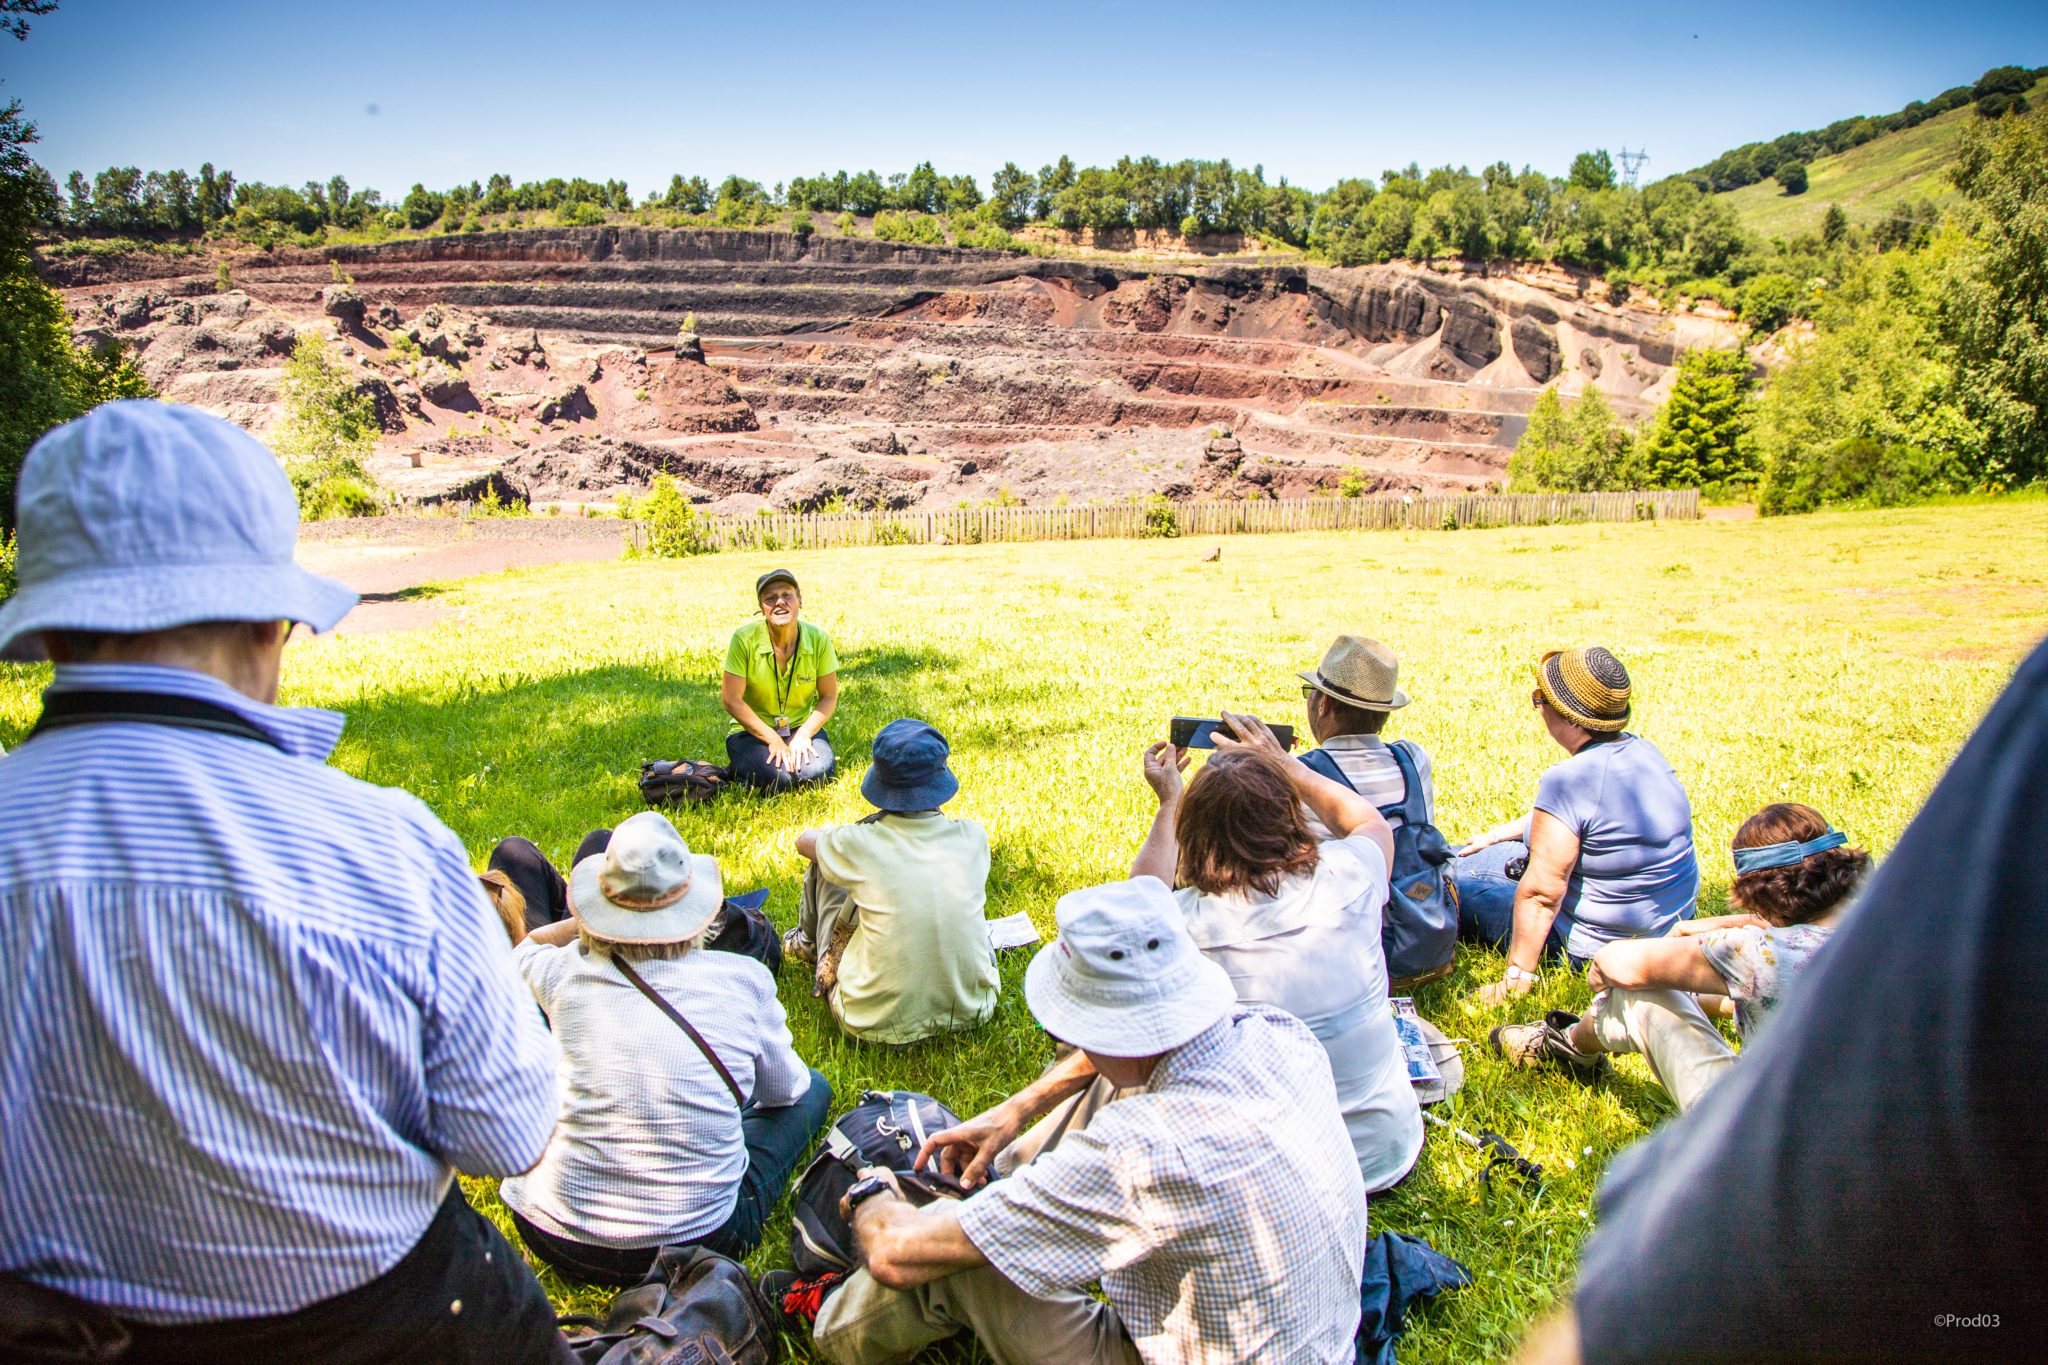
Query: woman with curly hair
x,y
1793,875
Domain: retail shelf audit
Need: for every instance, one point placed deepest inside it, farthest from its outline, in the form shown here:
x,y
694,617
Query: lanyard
x,y
784,685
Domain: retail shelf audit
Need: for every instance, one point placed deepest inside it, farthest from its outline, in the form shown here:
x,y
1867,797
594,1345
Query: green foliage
x,y
579,215
1583,449
1859,470
1352,485
1769,302
800,223
44,379
675,529
1994,303
846,223
1792,176
1592,171
328,432
1834,226
1875,371
6,565
491,505
909,227
1699,439
1161,522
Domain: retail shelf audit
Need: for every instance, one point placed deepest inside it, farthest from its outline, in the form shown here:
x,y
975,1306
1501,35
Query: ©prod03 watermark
x,y
1959,1320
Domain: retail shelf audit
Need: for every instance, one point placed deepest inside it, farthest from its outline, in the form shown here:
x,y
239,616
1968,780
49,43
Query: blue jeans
x,y
776,1140
1486,900
747,759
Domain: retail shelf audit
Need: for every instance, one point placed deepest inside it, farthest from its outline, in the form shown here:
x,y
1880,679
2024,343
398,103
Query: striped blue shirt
x,y
252,1011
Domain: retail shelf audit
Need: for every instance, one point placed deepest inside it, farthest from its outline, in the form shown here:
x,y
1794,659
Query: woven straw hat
x,y
1587,684
1359,672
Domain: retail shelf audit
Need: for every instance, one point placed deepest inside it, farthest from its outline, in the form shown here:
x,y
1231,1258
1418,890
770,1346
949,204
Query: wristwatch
x,y
867,1189
1514,973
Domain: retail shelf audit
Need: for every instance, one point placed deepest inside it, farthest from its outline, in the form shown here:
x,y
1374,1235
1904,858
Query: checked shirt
x,y
1221,1209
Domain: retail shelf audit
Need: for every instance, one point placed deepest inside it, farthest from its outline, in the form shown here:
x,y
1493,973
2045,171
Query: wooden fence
x,y
976,525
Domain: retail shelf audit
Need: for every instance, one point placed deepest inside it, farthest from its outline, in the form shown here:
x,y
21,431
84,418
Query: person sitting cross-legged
x,y
668,1135
1793,876
1216,1199
892,916
258,1012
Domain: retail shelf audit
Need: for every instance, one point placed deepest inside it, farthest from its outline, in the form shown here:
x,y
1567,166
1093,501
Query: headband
x,y
1784,855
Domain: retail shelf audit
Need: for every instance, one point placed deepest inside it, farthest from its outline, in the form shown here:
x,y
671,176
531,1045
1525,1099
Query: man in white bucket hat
x,y
1216,1199
659,1144
259,1012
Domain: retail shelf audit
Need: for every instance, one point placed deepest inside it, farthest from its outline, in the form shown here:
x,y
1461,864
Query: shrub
x,y
800,223
846,223
1352,485
1160,520
1792,175
223,278
327,434
1583,449
1769,302
6,565
490,505
1860,470
579,215
909,227
675,529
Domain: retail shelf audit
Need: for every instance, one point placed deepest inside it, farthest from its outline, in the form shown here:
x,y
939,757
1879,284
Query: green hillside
x,y
1866,181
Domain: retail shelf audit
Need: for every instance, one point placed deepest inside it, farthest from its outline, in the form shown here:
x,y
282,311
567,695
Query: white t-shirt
x,y
1313,950
648,1150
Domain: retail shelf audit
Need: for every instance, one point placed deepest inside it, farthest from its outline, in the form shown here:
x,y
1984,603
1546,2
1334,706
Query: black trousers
x,y
462,1296
746,758
546,892
741,928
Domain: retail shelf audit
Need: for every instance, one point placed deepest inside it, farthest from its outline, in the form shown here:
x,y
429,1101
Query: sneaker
x,y
1547,1044
794,1300
797,944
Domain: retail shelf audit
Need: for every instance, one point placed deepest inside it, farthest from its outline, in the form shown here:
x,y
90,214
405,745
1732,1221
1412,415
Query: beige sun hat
x,y
1123,978
1359,672
646,887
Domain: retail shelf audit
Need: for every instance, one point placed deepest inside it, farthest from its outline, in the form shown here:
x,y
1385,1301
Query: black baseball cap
x,y
773,576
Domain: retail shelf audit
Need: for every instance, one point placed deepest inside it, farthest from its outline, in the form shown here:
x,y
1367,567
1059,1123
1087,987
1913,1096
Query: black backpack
x,y
1420,930
695,1307
665,782
886,1128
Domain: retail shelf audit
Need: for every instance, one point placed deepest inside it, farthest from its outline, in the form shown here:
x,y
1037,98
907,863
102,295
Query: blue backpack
x,y
1420,930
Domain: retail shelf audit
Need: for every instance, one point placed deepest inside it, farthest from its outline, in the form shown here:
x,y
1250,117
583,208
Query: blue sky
x,y
637,89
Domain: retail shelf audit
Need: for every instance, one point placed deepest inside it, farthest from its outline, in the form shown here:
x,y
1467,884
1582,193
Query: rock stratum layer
x,y
832,371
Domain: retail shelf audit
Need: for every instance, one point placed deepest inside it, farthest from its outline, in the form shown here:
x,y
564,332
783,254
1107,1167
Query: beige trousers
x,y
864,1323
1684,1049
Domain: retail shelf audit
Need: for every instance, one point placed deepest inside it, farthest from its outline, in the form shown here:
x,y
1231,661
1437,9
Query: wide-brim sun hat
x,y
1124,979
141,516
909,770
1359,672
1586,684
646,887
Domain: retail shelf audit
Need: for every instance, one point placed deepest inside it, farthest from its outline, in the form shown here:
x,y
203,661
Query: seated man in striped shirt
x,y
257,1012
1349,699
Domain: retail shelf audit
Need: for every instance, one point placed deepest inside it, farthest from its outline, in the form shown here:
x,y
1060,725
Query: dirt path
x,y
387,559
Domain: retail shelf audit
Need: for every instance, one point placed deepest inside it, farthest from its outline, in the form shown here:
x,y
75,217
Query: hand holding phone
x,y
1189,732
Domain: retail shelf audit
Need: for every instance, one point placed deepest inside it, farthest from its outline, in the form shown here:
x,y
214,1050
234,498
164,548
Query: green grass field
x,y
1837,659
1866,181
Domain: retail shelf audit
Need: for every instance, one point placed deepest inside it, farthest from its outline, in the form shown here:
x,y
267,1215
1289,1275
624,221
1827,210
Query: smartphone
x,y
1186,732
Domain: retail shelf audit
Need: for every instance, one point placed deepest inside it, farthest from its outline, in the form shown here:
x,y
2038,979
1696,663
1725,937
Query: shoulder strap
x,y
626,970
65,710
1412,806
1318,761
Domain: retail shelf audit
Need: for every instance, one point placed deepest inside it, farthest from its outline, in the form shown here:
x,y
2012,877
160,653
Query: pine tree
x,y
1545,445
1700,436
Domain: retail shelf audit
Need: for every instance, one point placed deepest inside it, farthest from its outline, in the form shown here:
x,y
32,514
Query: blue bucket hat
x,y
909,771
141,516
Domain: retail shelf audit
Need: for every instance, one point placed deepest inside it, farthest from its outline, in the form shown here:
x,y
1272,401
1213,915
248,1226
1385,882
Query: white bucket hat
x,y
646,887
1123,978
140,516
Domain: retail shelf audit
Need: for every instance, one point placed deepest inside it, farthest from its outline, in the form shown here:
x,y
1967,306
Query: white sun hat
x,y
141,515
1123,978
646,887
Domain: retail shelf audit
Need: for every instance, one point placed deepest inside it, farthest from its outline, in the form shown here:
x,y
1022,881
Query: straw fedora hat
x,y
1359,672
646,887
1587,684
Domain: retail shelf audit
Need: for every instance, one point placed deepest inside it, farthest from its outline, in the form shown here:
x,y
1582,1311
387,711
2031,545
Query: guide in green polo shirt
x,y
781,686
